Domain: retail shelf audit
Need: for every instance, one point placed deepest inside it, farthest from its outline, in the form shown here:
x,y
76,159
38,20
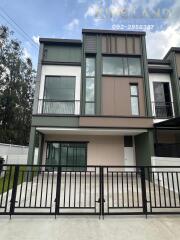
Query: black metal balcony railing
x,y
162,109
54,106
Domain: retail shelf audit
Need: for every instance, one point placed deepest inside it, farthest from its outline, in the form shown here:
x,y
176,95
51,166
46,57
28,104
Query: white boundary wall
x,y
16,154
167,161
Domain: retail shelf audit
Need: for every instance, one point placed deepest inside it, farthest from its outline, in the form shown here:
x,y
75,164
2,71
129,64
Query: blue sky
x,y
66,18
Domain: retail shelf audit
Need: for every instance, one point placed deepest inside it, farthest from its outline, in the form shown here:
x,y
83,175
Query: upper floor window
x,y
90,86
162,105
134,99
59,95
122,66
59,88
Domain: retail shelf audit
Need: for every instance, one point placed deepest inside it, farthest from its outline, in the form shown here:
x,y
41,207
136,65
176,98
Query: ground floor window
x,y
67,154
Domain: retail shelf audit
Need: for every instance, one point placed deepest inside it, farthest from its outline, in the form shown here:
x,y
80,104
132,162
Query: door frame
x,y
134,151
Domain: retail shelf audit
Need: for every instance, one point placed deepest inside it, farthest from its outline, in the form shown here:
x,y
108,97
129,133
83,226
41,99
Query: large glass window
x,y
72,155
122,66
134,99
113,65
59,95
90,66
90,86
134,66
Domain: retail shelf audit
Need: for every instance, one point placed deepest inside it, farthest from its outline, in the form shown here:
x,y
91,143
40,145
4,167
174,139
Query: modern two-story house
x,y
100,101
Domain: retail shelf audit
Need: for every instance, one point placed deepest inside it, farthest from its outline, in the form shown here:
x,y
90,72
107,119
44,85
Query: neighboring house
x,y
100,101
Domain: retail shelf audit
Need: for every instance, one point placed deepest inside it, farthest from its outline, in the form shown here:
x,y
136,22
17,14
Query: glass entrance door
x,y
71,155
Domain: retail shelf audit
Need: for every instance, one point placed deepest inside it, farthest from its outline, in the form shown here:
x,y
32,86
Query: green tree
x,y
16,90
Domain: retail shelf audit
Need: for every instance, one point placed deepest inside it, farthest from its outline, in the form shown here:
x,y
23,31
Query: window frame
x,y
45,79
44,100
137,96
68,142
92,56
125,60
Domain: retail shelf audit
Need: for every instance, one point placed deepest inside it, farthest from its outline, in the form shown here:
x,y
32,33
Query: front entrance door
x,y
129,158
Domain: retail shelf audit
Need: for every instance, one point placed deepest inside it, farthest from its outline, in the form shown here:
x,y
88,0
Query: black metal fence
x,y
96,190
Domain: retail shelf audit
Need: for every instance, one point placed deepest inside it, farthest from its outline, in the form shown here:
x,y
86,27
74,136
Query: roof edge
x,y
172,49
101,31
158,61
60,40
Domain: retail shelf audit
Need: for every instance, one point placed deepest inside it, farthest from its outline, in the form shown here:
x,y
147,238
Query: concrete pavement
x,y
90,227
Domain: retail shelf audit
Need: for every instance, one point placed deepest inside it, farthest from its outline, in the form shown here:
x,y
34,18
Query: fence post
x,y
101,179
58,185
143,186
14,190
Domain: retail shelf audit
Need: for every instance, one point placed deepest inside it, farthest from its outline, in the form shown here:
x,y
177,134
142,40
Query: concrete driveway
x,y
85,228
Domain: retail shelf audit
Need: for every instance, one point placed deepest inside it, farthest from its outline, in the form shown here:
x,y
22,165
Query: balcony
x,y
162,109
64,107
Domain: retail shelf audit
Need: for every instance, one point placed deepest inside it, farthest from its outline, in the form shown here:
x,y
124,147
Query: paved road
x,y
85,228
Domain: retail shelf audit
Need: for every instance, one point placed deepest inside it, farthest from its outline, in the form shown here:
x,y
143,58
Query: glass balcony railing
x,y
162,109
53,106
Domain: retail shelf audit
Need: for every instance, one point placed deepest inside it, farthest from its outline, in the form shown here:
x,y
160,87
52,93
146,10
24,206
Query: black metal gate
x,y
124,190
96,190
78,192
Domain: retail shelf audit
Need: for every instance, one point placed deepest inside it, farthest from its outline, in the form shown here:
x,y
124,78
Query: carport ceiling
x,y
92,131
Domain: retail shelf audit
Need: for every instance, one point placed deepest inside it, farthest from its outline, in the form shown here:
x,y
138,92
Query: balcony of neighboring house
x,y
162,110
161,96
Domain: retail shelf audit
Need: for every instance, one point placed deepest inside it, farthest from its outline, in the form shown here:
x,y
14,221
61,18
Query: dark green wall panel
x,y
144,145
62,54
53,121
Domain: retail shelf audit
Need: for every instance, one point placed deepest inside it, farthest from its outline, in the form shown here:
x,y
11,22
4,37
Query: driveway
x,y
84,228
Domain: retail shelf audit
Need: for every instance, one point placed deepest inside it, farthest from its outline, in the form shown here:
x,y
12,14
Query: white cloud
x,y
35,39
26,53
159,42
95,11
123,7
174,13
73,24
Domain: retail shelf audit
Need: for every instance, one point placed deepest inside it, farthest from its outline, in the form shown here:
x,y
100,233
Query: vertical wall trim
x,y
83,80
126,46
41,146
38,79
175,85
32,140
98,74
144,61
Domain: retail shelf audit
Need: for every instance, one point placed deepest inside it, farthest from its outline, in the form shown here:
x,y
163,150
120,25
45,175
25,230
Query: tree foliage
x,y
16,90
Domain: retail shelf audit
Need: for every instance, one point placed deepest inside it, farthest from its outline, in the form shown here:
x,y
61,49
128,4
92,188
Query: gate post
x,y
58,185
143,186
14,190
102,192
